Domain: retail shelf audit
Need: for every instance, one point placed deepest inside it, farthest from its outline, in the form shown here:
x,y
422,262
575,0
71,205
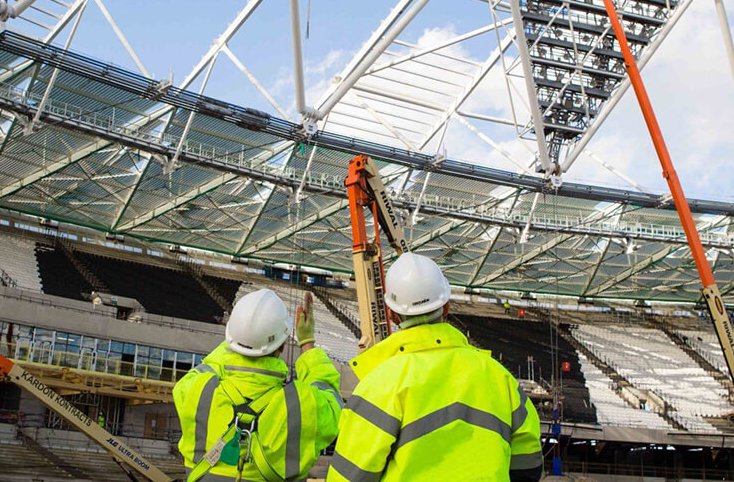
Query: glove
x,y
305,324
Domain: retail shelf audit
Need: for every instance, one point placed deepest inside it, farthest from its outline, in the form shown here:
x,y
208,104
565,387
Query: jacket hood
x,y
263,371
418,338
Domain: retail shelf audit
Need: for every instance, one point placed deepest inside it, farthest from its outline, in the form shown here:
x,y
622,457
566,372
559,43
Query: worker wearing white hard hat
x,y
429,406
240,417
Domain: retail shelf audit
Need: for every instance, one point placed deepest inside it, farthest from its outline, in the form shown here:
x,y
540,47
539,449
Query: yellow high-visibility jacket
x,y
305,411
430,407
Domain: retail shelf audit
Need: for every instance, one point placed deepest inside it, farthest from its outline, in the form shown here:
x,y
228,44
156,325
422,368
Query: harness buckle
x,y
245,438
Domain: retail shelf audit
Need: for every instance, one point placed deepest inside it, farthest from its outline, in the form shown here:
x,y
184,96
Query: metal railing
x,y
91,361
643,470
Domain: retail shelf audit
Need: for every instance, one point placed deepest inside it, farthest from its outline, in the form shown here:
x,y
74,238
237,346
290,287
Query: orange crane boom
x,y
366,190
710,290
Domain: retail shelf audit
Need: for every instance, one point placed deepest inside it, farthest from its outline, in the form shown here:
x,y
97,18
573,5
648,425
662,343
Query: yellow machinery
x,y
365,189
117,449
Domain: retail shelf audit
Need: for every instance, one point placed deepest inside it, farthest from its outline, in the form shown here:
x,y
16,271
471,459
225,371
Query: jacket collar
x,y
222,357
412,340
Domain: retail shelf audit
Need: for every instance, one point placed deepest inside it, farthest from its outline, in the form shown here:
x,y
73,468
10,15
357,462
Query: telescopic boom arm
x,y
365,189
118,449
710,289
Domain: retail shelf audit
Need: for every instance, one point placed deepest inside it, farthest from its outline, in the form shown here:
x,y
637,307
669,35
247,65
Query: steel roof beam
x,y
178,201
60,25
473,84
253,222
53,168
492,242
289,131
121,212
632,270
221,41
391,27
294,228
154,147
433,48
535,113
122,38
532,254
543,248
654,258
431,235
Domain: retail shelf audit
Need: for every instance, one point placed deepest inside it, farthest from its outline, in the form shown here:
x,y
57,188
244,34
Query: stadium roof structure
x,y
92,144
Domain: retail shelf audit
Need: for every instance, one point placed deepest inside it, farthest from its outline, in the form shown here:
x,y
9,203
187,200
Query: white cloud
x,y
318,75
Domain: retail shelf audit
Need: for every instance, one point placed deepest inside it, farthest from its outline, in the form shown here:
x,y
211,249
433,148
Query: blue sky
x,y
689,79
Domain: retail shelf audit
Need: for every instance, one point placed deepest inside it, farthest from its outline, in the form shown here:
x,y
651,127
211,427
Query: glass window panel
x,y
184,357
43,335
103,346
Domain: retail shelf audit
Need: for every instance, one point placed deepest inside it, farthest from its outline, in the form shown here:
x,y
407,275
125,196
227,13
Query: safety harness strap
x,y
254,407
261,461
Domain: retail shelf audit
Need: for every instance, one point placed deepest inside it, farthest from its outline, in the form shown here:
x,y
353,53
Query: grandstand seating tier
x,y
707,345
160,290
610,408
226,287
59,276
513,341
649,360
18,259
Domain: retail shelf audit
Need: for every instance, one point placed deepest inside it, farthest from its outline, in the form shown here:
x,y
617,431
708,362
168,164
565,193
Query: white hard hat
x,y
415,285
258,324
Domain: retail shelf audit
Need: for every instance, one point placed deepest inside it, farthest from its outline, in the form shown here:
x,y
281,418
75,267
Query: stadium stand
x,y
21,455
649,360
226,287
17,259
59,277
707,345
160,290
611,409
513,341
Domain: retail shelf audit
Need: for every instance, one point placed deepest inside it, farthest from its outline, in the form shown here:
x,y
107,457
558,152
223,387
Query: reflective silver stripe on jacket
x,y
520,413
444,416
293,440
203,409
374,414
350,471
526,461
328,388
271,373
205,368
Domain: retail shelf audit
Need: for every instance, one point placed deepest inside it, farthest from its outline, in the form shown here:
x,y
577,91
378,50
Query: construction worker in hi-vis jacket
x,y
429,406
240,418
